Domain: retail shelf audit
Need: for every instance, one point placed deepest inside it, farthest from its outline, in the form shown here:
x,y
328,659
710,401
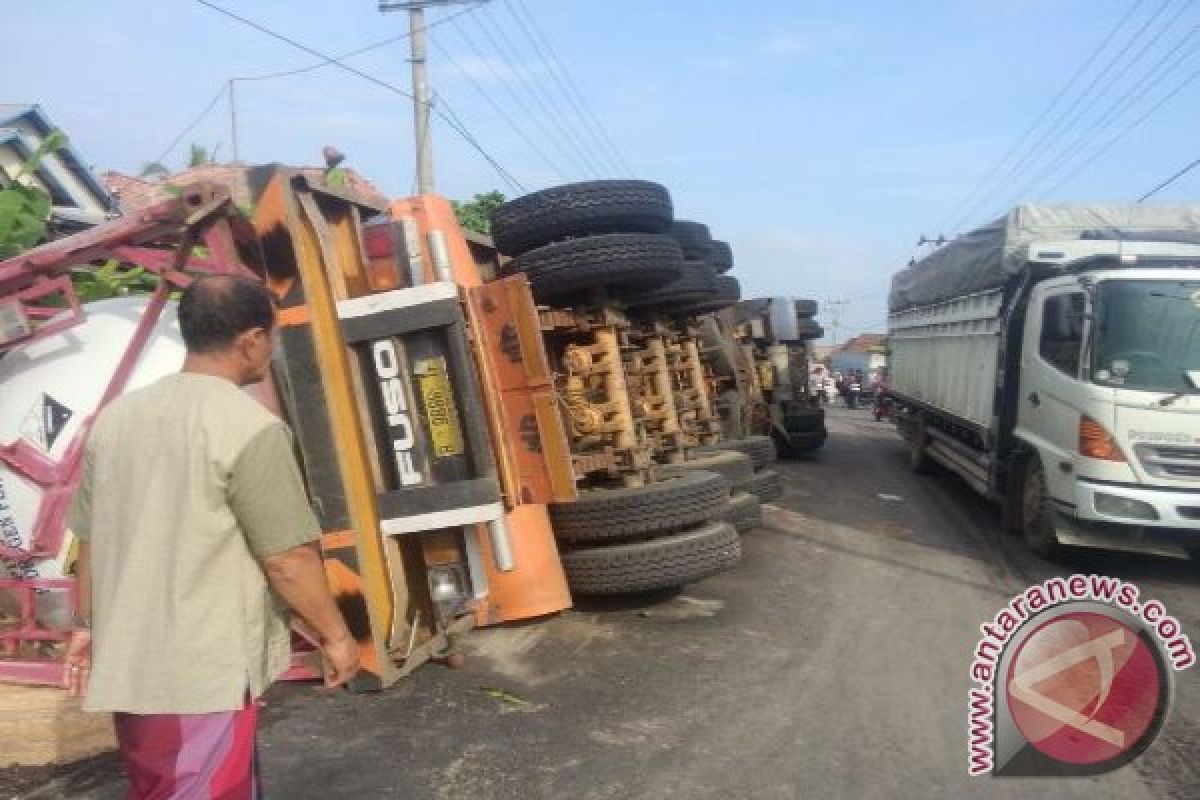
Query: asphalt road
x,y
832,664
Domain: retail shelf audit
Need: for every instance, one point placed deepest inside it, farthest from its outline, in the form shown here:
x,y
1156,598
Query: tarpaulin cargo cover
x,y
987,257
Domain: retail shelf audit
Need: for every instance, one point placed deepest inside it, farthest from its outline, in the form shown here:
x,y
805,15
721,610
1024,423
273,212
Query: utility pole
x,y
834,309
233,120
420,81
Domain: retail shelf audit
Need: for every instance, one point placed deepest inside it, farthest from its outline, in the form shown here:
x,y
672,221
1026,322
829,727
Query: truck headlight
x,y
1117,506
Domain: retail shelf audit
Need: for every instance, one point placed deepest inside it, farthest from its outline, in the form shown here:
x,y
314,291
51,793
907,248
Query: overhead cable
x,y
496,34
1169,181
455,126
965,206
568,87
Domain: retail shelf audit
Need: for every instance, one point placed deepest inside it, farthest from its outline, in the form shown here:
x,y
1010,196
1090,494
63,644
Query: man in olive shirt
x,y
190,512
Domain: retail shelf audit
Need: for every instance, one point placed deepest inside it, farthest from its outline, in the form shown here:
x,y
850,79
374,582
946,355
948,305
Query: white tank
x,y
50,387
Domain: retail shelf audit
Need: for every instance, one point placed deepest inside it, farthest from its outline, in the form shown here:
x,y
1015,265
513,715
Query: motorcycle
x,y
883,406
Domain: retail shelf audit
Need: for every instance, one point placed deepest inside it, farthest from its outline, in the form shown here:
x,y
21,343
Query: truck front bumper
x,y
1138,505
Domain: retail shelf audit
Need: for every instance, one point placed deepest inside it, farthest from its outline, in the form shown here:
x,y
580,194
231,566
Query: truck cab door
x,y
1052,393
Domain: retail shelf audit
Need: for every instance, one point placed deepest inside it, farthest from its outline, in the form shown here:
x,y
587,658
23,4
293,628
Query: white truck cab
x,y
1109,397
1052,360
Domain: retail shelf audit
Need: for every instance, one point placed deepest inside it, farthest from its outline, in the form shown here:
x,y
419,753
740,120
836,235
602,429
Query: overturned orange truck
x,y
449,427
423,451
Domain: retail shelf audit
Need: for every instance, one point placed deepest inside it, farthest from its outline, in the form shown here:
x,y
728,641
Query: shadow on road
x,y
861,480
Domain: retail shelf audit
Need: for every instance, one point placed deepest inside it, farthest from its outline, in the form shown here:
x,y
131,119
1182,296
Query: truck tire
x,y
694,285
745,511
766,484
804,423
760,449
661,563
805,308
733,467
619,261
1038,516
726,292
693,237
605,515
794,445
918,459
720,257
808,329
580,209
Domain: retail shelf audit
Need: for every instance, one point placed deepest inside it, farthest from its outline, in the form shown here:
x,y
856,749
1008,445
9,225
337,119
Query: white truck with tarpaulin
x,y
1052,359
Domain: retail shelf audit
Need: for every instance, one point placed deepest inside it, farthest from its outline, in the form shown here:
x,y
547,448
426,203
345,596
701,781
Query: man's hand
x,y
78,663
340,659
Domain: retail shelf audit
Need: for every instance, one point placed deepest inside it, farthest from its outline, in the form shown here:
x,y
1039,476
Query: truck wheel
x,y
619,261
720,257
760,449
805,422
660,563
765,484
726,292
733,467
693,237
580,209
614,514
805,308
694,285
1038,517
918,459
808,329
797,444
745,511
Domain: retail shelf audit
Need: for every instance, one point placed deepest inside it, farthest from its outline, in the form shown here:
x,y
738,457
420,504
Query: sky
x,y
821,139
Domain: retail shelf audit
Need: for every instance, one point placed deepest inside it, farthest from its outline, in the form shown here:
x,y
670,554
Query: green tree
x,y
25,208
198,156
153,171
475,214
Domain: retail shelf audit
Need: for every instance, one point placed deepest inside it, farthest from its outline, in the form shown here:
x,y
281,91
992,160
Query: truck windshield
x,y
1146,334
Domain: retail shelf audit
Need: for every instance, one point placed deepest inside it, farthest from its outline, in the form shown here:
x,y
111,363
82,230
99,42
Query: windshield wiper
x,y
1190,380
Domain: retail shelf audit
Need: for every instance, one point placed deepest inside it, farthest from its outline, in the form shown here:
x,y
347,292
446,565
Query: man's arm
x,y
267,496
298,577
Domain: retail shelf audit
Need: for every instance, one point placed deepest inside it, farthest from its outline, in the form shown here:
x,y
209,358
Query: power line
x,y
1128,100
956,216
455,122
191,126
519,101
1134,124
366,49
1037,151
568,87
537,91
499,109
456,127
1169,181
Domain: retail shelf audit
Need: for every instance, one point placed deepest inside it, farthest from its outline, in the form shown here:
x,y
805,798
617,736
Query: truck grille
x,y
1170,461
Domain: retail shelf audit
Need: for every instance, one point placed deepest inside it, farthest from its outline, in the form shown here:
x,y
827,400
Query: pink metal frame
x,y
202,214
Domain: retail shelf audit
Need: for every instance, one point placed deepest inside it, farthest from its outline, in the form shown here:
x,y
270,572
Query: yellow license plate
x,y
440,410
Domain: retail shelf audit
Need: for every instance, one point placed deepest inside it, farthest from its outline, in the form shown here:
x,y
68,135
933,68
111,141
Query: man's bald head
x,y
216,309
